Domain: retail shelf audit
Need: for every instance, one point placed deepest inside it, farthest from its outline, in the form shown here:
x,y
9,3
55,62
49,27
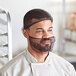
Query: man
x,y
37,59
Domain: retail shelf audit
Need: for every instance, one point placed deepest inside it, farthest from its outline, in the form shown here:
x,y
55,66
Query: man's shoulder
x,y
15,60
56,57
63,63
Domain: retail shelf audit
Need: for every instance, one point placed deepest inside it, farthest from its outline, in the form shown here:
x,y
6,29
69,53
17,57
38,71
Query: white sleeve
x,y
72,71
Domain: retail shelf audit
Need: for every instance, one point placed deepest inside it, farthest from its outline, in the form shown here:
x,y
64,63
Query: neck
x,y
40,56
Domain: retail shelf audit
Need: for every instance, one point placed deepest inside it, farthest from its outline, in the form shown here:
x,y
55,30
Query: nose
x,y
46,35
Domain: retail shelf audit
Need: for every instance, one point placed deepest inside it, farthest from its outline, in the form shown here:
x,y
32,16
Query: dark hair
x,y
35,15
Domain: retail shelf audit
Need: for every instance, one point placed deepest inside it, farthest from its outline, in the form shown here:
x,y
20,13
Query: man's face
x,y
40,36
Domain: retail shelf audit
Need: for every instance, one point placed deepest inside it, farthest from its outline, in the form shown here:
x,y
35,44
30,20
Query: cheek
x,y
37,40
36,35
51,34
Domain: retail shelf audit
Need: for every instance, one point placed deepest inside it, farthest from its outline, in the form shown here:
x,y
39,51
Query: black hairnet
x,y
34,16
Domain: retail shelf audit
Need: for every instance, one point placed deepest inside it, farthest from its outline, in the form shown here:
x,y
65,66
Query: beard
x,y
39,45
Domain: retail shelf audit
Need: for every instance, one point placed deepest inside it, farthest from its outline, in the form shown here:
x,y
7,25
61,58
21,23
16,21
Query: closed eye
x,y
39,30
50,29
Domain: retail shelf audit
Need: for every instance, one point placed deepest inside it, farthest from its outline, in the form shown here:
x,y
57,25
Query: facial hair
x,y
36,44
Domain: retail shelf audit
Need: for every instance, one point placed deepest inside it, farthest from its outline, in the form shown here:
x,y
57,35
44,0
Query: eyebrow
x,y
41,28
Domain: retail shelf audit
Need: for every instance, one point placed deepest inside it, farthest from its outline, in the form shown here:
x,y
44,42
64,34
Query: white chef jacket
x,y
24,64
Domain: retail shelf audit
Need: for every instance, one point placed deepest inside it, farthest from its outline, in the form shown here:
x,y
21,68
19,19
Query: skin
x,y
42,29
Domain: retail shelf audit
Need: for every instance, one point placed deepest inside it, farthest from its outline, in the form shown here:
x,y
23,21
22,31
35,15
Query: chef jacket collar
x,y
32,59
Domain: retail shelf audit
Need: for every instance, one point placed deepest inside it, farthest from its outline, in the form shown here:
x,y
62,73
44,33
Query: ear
x,y
25,33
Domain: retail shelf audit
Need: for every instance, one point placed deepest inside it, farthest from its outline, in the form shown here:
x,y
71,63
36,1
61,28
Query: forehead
x,y
42,24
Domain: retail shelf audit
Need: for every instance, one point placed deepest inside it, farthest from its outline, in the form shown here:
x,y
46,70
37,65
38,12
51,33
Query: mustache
x,y
52,39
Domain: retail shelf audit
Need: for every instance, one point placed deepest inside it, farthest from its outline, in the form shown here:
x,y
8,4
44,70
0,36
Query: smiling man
x,y
37,59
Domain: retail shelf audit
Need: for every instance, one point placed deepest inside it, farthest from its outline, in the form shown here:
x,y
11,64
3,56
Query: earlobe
x,y
24,33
